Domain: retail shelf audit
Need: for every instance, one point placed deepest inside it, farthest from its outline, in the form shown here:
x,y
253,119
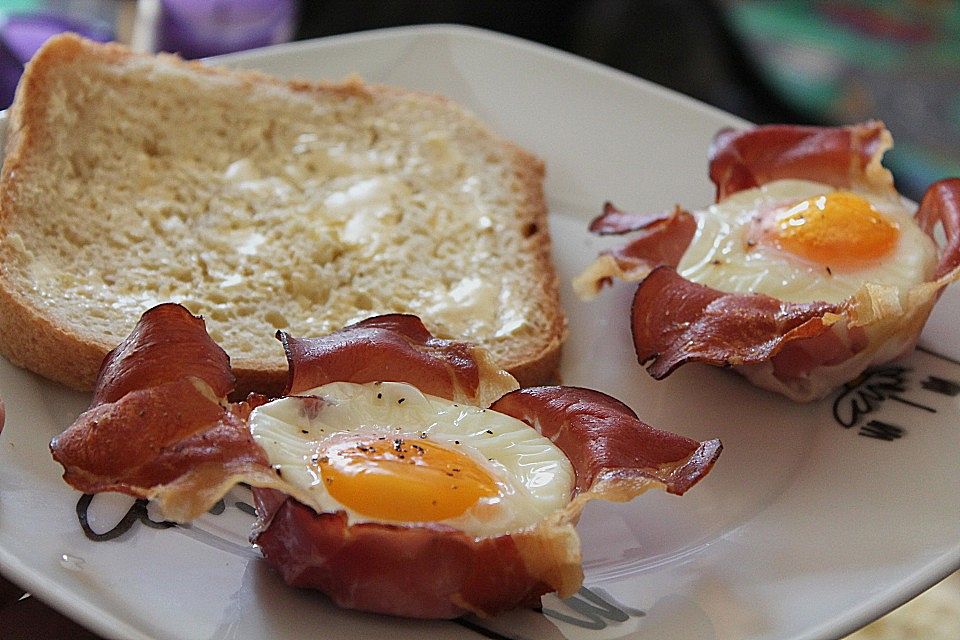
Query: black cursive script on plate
x,y
864,394
594,609
136,513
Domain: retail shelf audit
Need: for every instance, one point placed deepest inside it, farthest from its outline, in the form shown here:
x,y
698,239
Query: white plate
x,y
805,529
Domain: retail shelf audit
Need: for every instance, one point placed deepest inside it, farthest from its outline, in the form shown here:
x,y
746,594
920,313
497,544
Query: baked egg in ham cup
x,y
400,473
809,268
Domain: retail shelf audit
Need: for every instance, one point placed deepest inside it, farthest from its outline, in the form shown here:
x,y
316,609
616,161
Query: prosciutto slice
x,y
613,221
840,156
607,444
700,324
424,571
940,205
159,425
662,239
395,348
167,345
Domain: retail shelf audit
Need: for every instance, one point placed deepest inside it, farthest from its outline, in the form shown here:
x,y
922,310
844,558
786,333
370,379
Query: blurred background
x,y
811,61
803,61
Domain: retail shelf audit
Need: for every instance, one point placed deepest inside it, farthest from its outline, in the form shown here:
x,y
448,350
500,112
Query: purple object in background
x,y
200,28
22,35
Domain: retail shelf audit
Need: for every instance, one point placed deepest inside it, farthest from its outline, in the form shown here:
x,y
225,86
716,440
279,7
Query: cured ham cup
x,y
400,473
808,269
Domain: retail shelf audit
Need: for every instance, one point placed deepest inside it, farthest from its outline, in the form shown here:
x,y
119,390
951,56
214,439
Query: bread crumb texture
x,y
266,206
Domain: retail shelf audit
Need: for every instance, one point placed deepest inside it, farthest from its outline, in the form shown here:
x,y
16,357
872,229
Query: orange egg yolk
x,y
837,230
404,479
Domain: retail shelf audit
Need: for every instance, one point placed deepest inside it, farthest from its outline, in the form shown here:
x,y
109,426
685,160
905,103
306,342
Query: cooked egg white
x,y
802,241
385,452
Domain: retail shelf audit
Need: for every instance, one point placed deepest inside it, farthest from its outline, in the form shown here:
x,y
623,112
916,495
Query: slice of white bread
x,y
131,180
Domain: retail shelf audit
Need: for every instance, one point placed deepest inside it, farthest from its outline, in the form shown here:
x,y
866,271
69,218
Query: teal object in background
x,y
18,6
855,60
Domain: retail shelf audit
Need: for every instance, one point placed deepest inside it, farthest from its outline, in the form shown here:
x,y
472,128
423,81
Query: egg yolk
x,y
402,479
838,229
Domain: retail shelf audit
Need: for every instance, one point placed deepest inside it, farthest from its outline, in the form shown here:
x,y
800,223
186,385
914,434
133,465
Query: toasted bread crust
x,y
29,338
70,353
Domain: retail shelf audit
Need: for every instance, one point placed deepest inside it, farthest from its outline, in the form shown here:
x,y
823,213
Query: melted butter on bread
x,y
259,203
